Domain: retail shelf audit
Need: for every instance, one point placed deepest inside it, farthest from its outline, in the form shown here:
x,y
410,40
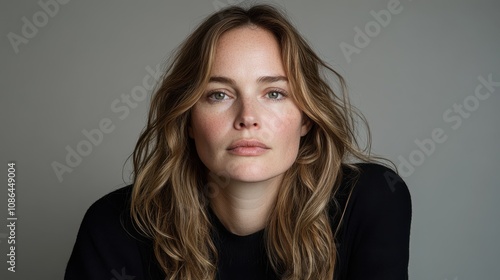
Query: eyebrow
x,y
263,79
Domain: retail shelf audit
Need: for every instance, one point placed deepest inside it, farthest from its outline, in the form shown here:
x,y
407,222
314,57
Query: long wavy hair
x,y
169,199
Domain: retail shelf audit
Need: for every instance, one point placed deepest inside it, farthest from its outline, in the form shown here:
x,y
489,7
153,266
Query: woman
x,y
245,171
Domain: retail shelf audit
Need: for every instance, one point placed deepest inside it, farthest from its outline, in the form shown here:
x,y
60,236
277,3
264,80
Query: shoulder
x,y
108,222
375,228
107,242
376,186
108,210
114,201
373,196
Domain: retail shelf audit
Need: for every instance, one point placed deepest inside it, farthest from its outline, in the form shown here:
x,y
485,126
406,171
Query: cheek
x,y
289,124
287,131
205,129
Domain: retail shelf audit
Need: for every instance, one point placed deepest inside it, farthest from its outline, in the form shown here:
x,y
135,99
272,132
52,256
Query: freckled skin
x,y
248,108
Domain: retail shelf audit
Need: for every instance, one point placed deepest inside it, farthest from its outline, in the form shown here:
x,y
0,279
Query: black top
x,y
372,243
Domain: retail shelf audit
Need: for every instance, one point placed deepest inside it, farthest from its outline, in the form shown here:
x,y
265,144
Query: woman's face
x,y
245,125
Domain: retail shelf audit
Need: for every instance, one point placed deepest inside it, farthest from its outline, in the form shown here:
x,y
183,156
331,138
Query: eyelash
x,y
211,96
212,93
283,94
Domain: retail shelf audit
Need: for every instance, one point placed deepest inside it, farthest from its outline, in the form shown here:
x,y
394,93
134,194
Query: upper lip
x,y
247,143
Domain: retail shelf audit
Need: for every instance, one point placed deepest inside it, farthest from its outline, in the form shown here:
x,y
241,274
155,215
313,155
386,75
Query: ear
x,y
306,125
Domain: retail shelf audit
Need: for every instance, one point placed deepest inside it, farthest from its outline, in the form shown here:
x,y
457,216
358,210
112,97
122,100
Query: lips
x,y
247,143
247,148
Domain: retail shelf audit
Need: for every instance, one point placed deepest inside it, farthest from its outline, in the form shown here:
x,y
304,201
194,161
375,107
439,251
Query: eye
x,y
217,96
275,94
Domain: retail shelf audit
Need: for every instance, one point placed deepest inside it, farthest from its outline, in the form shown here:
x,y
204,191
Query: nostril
x,y
246,122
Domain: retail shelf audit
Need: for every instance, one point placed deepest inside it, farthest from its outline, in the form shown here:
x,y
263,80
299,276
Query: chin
x,y
254,177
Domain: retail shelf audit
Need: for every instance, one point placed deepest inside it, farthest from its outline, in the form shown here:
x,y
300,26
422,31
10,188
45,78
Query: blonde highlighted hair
x,y
169,200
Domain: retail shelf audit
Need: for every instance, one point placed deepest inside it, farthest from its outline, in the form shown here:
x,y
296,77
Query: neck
x,y
242,207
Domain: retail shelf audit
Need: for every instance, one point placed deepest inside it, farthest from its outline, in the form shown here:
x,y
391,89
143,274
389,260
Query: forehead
x,y
248,47
246,34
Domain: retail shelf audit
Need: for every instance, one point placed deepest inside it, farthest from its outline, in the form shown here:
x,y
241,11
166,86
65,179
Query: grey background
x,y
428,58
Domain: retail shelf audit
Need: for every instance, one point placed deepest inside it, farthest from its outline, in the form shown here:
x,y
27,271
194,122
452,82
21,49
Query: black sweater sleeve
x,y
376,233
104,233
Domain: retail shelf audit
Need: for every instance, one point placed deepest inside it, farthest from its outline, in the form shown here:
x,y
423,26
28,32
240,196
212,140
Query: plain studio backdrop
x,y
76,79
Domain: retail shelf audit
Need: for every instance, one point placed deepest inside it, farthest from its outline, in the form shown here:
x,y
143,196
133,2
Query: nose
x,y
247,116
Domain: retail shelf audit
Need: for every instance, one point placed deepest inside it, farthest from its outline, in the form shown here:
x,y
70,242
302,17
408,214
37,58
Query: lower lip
x,y
248,151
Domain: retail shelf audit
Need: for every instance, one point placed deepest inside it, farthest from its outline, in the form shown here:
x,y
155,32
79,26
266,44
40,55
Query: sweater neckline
x,y
224,233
